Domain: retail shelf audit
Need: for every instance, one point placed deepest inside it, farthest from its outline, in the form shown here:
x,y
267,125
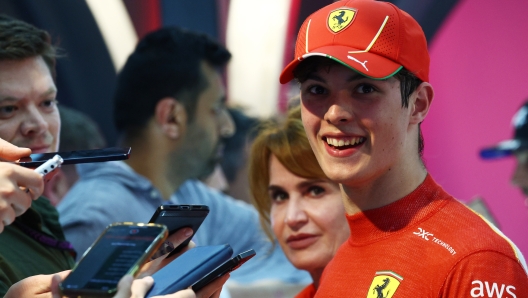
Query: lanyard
x,y
46,240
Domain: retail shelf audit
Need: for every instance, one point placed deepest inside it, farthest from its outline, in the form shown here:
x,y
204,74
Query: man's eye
x,y
7,109
317,90
364,88
49,103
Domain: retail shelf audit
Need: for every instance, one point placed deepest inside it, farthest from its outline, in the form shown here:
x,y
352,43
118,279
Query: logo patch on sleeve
x,y
384,284
340,18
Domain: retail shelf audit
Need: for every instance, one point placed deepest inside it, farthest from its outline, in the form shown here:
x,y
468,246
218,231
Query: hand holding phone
x,y
120,250
197,267
227,267
176,217
188,268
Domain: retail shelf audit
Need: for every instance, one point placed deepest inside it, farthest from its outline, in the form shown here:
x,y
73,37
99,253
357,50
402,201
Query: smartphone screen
x,y
176,217
79,156
120,250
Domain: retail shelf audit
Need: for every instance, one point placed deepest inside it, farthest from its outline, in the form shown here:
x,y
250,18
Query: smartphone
x,y
227,267
188,268
79,156
121,249
176,217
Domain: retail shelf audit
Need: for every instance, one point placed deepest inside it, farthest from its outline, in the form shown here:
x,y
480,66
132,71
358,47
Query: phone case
x,y
176,217
78,156
227,267
188,268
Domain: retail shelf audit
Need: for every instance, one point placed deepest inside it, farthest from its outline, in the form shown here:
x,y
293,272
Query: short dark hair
x,y
408,83
20,40
165,63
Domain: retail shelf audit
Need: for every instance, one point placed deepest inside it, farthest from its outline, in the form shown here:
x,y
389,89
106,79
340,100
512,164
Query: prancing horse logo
x,y
384,284
340,18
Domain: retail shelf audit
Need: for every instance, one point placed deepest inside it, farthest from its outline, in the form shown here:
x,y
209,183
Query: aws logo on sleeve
x,y
489,290
384,284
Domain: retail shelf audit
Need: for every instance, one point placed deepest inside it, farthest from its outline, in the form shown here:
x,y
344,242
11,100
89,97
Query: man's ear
x,y
422,102
171,117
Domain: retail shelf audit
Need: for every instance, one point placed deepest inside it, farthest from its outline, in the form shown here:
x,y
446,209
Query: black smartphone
x,y
188,268
79,156
227,267
176,217
121,249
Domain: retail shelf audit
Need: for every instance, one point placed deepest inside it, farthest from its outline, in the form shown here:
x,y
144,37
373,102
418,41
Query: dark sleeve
x,y
7,276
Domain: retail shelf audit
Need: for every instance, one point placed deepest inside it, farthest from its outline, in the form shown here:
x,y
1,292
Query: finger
x,y
30,182
7,214
10,152
214,288
14,175
174,240
180,236
21,202
187,293
124,287
140,287
18,202
55,281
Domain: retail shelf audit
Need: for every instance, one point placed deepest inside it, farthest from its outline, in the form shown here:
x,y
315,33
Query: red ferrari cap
x,y
374,38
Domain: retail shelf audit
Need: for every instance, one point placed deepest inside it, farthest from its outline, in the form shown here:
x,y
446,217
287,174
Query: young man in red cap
x,y
363,69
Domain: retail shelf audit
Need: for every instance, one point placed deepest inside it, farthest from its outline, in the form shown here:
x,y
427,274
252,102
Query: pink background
x,y
479,70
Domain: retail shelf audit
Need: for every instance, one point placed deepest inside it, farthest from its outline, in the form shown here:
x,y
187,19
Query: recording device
x,y
176,217
188,268
227,267
50,165
121,249
79,156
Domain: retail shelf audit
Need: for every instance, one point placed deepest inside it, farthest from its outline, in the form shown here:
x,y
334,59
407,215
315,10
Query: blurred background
x,y
478,70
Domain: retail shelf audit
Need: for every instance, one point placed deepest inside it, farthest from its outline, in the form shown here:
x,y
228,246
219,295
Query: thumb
x,y
180,236
124,287
10,152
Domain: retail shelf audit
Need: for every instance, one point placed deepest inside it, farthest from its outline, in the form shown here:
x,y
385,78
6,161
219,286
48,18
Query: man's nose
x,y
338,112
227,125
34,122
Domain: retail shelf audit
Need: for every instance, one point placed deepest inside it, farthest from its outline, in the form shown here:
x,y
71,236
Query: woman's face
x,y
307,217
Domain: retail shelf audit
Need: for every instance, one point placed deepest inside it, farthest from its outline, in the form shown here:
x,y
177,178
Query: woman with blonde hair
x,y
298,205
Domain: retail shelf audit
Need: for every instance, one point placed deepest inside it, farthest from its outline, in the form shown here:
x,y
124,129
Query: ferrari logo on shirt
x,y
340,18
384,284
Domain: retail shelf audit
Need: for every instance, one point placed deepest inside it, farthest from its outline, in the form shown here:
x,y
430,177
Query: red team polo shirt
x,y
426,244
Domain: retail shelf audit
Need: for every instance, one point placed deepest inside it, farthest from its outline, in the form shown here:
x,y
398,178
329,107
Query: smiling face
x,y
307,217
28,110
357,127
